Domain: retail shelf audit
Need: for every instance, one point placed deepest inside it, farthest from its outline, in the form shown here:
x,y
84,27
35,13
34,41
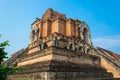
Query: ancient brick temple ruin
x,y
61,49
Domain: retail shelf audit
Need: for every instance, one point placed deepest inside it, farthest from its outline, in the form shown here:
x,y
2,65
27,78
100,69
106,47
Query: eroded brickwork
x,y
61,49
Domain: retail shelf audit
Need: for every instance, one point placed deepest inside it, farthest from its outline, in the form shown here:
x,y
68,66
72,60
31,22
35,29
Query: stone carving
x,y
43,44
71,44
80,30
86,49
78,45
55,40
34,34
31,38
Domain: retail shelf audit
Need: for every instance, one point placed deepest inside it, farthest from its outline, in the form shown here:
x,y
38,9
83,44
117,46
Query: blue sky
x,y
102,16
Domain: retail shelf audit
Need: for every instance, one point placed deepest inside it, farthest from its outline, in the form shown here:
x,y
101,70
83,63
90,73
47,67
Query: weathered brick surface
x,y
60,62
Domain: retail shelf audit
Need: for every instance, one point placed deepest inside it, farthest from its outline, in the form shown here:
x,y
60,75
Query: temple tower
x,y
60,49
54,23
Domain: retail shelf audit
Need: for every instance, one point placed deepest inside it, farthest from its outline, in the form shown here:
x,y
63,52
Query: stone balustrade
x,y
60,40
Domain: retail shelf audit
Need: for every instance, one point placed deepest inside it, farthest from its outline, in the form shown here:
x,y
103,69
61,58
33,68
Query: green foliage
x,y
3,54
4,70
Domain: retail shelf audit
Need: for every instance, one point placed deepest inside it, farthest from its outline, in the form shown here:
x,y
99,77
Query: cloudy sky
x,y
102,16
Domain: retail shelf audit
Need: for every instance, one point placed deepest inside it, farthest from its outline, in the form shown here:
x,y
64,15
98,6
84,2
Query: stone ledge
x,y
81,71
67,66
56,50
57,53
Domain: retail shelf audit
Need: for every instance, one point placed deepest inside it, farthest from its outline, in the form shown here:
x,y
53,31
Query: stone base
x,y
61,70
57,76
56,63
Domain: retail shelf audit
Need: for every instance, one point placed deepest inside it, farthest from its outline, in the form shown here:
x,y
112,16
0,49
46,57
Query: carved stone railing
x,y
12,61
62,41
109,59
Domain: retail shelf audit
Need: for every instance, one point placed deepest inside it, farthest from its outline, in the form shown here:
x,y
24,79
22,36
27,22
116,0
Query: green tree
x,y
4,70
3,54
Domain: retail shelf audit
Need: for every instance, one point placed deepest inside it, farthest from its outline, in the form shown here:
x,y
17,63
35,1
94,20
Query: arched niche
x,y
86,35
34,34
85,32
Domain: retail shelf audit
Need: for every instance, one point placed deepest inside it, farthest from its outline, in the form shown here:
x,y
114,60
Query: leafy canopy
x,y
4,70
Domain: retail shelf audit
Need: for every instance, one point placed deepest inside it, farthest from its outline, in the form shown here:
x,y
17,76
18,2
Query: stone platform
x,y
56,63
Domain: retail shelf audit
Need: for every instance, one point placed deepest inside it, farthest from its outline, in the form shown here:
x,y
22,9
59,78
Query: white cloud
x,y
107,42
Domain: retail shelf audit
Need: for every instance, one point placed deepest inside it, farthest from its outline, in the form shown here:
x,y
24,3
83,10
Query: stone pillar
x,y
46,28
55,27
40,30
70,27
